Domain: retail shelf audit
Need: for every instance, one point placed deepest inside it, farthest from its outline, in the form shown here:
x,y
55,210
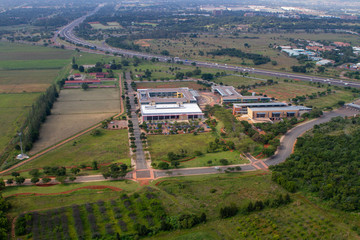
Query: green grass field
x,y
109,147
13,109
189,84
160,145
202,161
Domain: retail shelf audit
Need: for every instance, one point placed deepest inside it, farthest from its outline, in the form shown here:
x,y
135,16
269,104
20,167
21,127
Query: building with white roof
x,y
230,95
171,112
276,113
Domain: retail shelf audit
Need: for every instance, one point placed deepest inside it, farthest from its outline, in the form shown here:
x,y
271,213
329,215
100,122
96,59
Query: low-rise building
x,y
230,95
167,96
276,113
242,108
179,111
325,62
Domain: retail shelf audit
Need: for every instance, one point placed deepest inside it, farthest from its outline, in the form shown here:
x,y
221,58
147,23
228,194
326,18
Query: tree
x,y
179,75
15,174
84,86
2,184
10,181
81,69
75,171
72,178
94,165
45,180
19,180
163,165
34,180
34,173
341,103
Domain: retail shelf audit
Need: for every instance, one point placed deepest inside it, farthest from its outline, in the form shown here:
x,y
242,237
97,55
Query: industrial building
x,y
167,96
179,111
242,108
276,113
230,95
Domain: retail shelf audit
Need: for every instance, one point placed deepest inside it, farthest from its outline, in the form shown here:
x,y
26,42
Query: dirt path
x,y
66,140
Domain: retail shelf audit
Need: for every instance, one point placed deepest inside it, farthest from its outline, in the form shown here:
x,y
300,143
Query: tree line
x,y
258,59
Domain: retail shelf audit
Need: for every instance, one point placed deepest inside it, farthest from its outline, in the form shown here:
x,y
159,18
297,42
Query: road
x,y
67,33
289,139
140,162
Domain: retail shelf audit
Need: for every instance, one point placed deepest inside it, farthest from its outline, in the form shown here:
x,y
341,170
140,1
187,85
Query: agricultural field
x,y
26,71
301,219
76,110
91,220
160,145
184,83
109,146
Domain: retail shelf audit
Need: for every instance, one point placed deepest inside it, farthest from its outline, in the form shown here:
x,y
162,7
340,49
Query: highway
x,y
67,33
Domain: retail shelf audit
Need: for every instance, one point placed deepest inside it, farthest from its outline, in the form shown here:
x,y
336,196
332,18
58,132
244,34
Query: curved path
x,y
288,141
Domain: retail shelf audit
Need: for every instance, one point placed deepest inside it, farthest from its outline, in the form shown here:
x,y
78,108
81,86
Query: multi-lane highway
x,y
67,33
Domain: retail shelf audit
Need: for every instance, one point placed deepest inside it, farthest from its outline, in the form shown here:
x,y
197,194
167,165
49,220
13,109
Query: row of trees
x,y
232,52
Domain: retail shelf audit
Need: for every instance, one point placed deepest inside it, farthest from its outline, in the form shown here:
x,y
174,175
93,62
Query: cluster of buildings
x,y
313,51
182,104
77,79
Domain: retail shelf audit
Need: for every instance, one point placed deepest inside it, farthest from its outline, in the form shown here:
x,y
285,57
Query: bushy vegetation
x,y
232,52
326,162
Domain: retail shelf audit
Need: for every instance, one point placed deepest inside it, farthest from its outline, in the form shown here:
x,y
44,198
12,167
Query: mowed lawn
x,y
189,84
213,159
161,145
109,147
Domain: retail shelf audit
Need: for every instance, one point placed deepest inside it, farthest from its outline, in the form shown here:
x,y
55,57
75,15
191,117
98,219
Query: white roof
x,y
164,109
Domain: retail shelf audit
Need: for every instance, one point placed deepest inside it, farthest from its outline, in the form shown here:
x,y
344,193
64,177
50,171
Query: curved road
x,y
67,33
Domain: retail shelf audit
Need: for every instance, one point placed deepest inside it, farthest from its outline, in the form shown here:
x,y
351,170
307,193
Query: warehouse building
x,y
242,108
276,113
230,95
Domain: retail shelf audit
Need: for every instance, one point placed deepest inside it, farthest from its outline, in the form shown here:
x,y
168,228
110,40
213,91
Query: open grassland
x,y
76,110
160,145
111,146
301,219
286,91
13,110
18,81
237,81
189,84
213,159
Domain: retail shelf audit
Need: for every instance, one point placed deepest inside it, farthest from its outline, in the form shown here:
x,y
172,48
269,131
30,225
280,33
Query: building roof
x,y
226,91
170,109
188,95
259,104
289,108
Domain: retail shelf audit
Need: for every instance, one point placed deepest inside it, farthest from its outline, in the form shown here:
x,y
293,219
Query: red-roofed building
x,y
341,44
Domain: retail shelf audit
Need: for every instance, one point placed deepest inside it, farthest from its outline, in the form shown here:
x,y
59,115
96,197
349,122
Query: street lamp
x,y
21,156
